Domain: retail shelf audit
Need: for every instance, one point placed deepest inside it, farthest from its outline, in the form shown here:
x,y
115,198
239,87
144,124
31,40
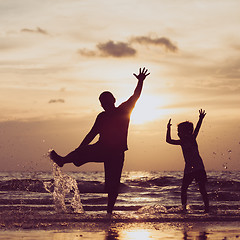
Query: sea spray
x,y
152,209
63,185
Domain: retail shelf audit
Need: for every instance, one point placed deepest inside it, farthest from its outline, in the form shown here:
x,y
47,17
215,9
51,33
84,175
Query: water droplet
x,y
225,166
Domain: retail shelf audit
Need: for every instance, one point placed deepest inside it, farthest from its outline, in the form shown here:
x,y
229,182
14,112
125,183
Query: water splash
x,y
179,209
63,185
152,209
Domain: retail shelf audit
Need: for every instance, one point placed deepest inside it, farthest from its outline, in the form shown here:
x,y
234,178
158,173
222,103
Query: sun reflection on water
x,y
141,234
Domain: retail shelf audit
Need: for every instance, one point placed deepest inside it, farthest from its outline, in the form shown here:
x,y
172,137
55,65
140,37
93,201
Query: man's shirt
x,y
112,126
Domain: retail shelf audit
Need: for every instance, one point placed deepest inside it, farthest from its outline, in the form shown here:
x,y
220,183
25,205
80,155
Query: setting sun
x,y
148,108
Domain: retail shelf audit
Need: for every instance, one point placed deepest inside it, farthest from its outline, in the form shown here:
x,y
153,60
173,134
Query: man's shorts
x,y
113,162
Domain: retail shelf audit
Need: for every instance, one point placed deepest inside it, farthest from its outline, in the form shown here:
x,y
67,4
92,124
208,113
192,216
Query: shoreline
x,y
51,220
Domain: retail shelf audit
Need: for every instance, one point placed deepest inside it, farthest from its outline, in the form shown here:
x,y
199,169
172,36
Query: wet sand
x,y
127,231
28,225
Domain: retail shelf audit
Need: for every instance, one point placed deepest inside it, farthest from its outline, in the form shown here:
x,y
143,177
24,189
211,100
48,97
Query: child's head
x,y
185,129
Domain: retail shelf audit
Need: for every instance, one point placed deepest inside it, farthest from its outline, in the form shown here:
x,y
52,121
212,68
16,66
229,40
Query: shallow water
x,y
53,199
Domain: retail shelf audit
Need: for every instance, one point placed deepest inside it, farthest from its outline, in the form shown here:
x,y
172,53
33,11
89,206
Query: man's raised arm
x,y
143,73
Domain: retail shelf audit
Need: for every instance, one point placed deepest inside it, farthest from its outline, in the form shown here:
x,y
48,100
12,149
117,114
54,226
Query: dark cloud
x,y
60,100
119,49
165,42
125,49
37,30
110,48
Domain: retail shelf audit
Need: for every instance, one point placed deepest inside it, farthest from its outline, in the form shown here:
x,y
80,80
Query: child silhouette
x,y
194,167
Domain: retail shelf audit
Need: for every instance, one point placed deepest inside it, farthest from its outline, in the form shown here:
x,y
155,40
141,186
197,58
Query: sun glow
x,y
148,109
137,235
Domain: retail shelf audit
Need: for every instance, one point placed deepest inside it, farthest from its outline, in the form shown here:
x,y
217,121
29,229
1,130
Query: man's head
x,y
107,100
185,129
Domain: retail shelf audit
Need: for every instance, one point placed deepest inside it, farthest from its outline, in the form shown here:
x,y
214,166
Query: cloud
x,y
165,42
87,53
126,49
37,30
60,100
110,48
119,49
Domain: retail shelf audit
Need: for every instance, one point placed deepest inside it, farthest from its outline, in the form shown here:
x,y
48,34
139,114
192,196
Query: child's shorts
x,y
200,176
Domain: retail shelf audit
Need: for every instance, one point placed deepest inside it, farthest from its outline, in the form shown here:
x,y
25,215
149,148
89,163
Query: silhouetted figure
x,y
194,167
112,127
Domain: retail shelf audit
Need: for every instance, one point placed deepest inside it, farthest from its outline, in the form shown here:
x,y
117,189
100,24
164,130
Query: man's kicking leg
x,y
72,157
80,156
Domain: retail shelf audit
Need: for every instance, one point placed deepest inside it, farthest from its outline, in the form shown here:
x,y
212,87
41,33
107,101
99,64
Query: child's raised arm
x,y
202,114
168,136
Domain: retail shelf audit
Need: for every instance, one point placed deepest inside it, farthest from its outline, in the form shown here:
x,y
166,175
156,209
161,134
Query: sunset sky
x,y
58,56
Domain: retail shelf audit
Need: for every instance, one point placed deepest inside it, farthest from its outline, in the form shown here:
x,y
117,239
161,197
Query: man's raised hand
x,y
143,73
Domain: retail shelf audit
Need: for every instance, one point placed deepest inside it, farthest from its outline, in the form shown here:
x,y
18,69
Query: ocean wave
x,y
29,185
171,184
27,193
224,196
156,181
224,184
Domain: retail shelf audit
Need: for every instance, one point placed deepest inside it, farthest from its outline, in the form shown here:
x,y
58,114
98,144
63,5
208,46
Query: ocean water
x,y
38,199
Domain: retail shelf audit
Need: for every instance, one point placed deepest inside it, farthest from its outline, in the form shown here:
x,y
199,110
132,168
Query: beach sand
x,y
126,231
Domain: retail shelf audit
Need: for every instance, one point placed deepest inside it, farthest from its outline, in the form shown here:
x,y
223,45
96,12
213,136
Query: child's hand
x,y
169,123
202,114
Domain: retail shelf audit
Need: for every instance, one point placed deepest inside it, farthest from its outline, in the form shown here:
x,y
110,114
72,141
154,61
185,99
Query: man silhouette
x,y
112,127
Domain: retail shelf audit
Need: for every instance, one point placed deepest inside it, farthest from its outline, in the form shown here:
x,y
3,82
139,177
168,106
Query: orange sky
x,y
58,56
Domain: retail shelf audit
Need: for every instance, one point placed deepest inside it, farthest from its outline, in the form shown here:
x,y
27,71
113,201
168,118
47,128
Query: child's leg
x,y
203,192
187,180
201,178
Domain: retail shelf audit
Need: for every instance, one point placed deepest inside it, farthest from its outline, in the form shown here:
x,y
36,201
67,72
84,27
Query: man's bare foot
x,y
56,158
